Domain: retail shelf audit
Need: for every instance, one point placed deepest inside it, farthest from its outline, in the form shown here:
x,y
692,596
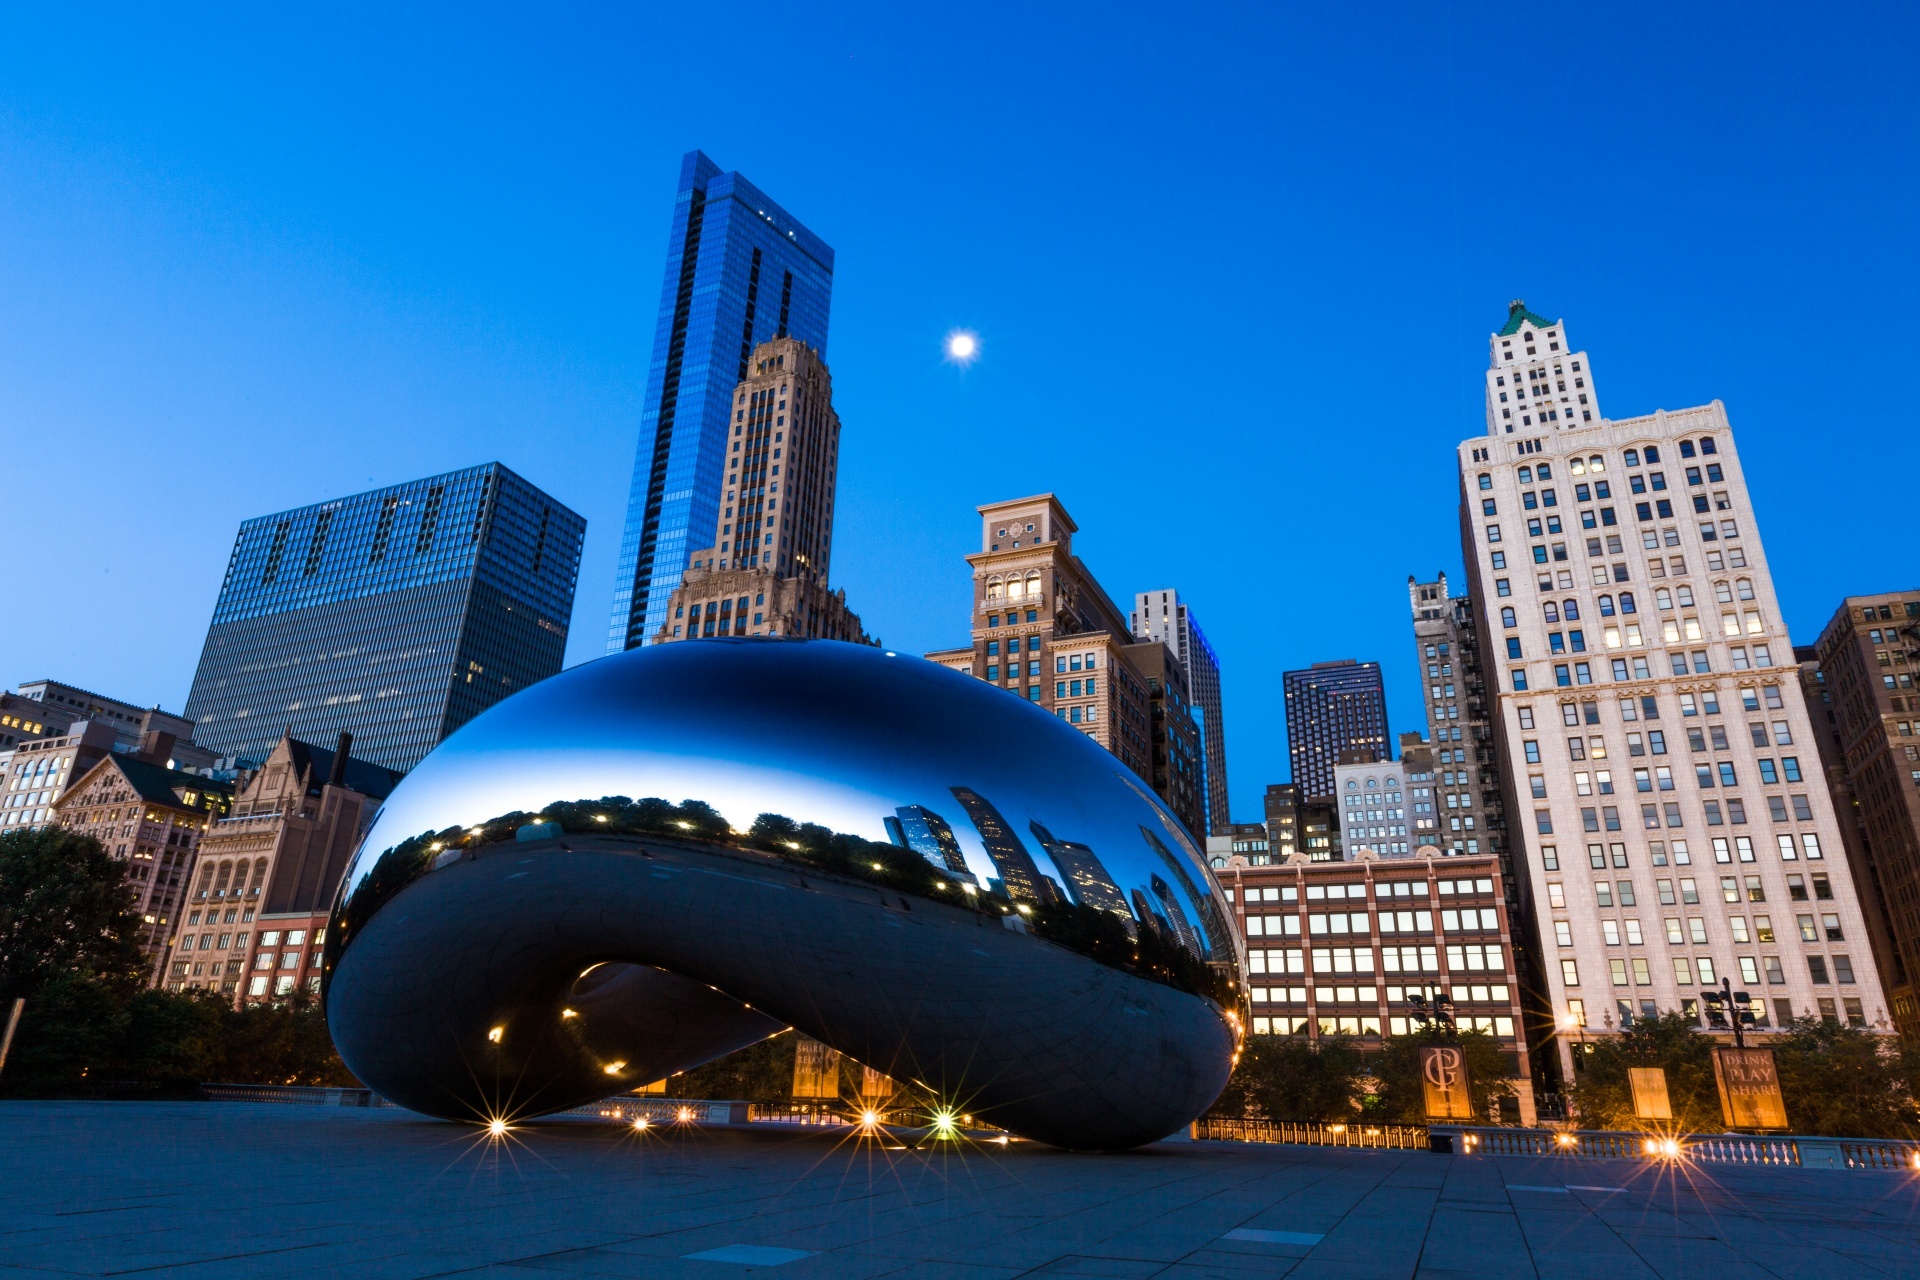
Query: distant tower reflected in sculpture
x,y
1183,931
1017,870
920,829
1219,939
1086,878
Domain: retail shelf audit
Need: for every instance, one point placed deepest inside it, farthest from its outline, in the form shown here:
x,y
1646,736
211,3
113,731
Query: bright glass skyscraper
x,y
740,270
396,616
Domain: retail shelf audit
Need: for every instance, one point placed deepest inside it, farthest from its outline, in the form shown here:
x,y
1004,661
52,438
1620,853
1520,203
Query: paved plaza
x,y
208,1190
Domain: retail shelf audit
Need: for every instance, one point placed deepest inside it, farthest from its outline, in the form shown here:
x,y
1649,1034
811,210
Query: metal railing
x,y
1867,1153
1390,1136
1801,1150
626,1109
1798,1150
308,1095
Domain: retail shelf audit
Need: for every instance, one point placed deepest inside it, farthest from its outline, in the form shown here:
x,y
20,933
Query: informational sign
x,y
816,1069
875,1086
1749,1088
1650,1093
1443,1074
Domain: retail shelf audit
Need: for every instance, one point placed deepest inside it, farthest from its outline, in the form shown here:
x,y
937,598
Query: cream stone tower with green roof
x,y
1667,816
1534,381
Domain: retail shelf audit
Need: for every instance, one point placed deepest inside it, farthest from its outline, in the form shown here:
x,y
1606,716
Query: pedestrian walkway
x,y
204,1191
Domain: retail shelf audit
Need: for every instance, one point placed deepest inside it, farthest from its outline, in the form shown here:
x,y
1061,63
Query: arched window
x,y
1745,588
1552,611
1723,592
1015,588
1570,609
1596,463
220,886
1707,445
1626,602
1578,467
1486,481
1663,599
1606,606
993,589
259,875
1507,618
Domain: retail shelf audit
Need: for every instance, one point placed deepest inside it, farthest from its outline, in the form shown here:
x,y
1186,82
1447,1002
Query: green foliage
x,y
1603,1099
1101,935
1289,1078
1844,1082
760,1072
284,1042
1847,1082
71,1032
65,911
68,943
1399,1093
82,1036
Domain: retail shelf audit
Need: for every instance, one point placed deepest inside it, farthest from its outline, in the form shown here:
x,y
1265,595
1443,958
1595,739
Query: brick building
x,y
1336,948
268,871
151,817
1045,630
1859,685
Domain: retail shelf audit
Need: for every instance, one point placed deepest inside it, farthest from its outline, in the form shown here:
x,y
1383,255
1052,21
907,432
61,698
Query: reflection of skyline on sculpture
x,y
681,740
920,829
1081,869
701,825
1015,865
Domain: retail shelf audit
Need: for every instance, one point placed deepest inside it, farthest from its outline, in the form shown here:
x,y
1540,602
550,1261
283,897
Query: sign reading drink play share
x,y
1749,1088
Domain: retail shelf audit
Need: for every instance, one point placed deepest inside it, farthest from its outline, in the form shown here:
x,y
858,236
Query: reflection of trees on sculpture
x,y
1152,952
1147,952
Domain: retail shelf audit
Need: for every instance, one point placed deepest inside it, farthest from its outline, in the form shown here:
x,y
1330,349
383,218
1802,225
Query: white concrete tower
x,y
1664,797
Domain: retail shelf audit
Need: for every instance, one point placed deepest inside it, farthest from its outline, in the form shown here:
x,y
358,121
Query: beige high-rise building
x,y
1045,630
1654,745
765,573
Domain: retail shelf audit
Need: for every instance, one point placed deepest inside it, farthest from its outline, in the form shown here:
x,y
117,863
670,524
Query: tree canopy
x,y
66,911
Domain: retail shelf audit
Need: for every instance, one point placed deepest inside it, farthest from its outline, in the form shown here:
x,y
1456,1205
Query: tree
x,y
1399,1095
1847,1082
761,1072
1289,1078
285,1042
65,910
1603,1099
68,1038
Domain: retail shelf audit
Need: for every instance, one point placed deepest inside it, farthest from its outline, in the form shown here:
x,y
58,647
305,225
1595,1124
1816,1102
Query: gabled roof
x,y
1517,315
156,783
317,763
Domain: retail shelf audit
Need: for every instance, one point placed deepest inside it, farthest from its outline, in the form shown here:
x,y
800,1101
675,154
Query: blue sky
x,y
1233,273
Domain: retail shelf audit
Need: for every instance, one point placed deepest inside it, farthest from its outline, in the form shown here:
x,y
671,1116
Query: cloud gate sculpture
x,y
652,860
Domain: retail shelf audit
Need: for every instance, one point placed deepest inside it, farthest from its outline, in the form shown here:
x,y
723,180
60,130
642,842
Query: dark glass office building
x,y
396,616
1333,707
740,270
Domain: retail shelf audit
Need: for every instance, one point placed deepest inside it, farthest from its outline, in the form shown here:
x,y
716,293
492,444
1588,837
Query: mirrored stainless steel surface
x,y
651,860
